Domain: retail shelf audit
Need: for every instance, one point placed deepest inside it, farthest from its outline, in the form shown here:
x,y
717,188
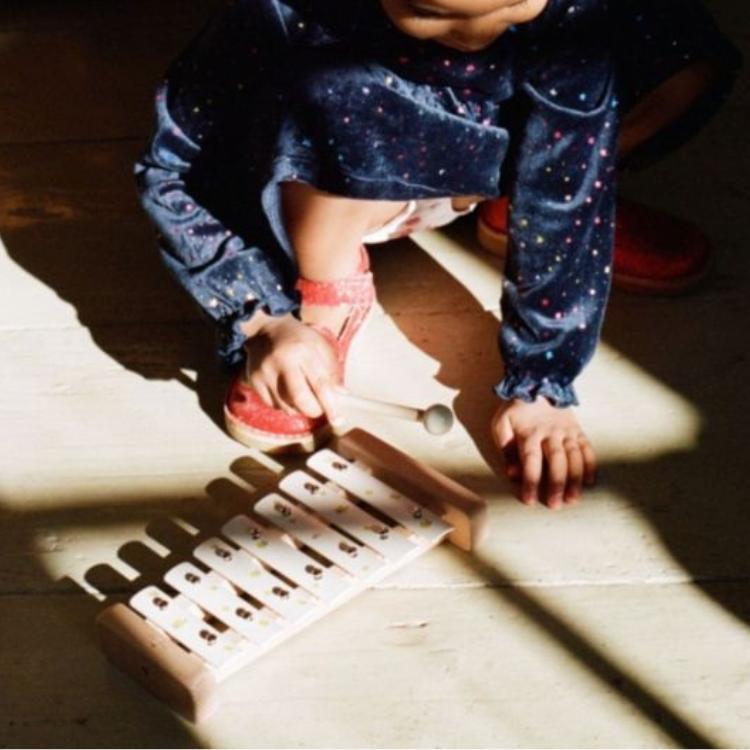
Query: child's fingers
x,y
267,380
557,470
280,403
326,354
513,466
324,391
589,460
505,439
324,384
264,385
512,462
260,387
503,432
575,470
297,391
531,459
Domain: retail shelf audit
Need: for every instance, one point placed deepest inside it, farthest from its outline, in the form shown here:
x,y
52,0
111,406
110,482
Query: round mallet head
x,y
437,419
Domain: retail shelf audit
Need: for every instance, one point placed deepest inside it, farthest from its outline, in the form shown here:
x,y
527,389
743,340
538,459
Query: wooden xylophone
x,y
361,510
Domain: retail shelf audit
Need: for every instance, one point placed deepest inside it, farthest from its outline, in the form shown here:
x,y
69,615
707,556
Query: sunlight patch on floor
x,y
632,415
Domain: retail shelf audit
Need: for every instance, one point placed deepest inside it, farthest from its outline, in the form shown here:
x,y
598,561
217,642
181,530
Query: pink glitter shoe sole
x,y
250,421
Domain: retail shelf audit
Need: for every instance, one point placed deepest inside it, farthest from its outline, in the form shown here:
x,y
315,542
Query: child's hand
x,y
291,366
538,438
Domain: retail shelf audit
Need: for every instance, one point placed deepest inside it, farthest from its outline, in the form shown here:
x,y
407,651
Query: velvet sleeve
x,y
561,229
206,93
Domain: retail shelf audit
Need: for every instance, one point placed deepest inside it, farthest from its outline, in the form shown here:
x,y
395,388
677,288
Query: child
x,y
292,131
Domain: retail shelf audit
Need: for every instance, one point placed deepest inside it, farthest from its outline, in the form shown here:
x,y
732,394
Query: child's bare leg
x,y
326,233
326,230
665,104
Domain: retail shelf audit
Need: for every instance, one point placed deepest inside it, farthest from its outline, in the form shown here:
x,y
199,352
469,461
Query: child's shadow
x,y
461,337
694,496
72,221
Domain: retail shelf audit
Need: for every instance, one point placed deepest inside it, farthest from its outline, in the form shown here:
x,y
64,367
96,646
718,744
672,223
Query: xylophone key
x,y
212,592
177,617
360,561
331,503
247,573
270,547
421,522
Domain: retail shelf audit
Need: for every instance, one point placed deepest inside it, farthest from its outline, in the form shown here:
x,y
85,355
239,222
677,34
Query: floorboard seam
x,y
396,588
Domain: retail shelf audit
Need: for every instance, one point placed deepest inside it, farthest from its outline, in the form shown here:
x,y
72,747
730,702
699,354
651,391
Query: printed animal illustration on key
x,y
360,510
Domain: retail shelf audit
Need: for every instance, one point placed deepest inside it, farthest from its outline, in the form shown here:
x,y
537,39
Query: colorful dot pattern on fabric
x,y
332,94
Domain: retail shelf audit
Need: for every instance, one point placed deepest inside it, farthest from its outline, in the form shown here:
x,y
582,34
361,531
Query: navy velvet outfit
x,y
332,94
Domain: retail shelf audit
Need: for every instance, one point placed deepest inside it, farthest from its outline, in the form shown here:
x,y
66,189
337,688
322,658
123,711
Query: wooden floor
x,y
624,622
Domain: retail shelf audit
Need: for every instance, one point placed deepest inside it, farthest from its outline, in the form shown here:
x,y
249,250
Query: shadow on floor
x,y
69,214
143,722
73,222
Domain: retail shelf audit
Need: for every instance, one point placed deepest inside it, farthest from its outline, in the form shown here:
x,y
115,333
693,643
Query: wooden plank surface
x,y
87,70
578,666
623,622
70,219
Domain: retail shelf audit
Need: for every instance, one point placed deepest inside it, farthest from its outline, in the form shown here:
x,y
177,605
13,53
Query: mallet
x,y
436,419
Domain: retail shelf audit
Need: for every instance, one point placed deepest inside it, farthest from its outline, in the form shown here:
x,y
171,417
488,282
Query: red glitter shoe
x,y
655,253
249,420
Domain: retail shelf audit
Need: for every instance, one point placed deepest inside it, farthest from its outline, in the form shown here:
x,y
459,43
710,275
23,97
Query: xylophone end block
x,y
454,503
172,674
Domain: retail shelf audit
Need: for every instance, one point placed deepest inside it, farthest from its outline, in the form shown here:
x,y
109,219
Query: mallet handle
x,y
380,407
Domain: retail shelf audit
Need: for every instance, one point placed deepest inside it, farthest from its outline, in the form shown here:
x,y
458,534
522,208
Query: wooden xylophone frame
x,y
189,684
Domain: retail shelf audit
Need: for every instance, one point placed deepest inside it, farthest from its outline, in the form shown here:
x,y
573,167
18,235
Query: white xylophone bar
x,y
215,595
411,515
311,531
335,508
271,548
358,551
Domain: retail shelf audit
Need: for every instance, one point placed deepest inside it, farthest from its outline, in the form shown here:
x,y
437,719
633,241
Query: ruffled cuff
x,y
231,338
528,388
230,291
